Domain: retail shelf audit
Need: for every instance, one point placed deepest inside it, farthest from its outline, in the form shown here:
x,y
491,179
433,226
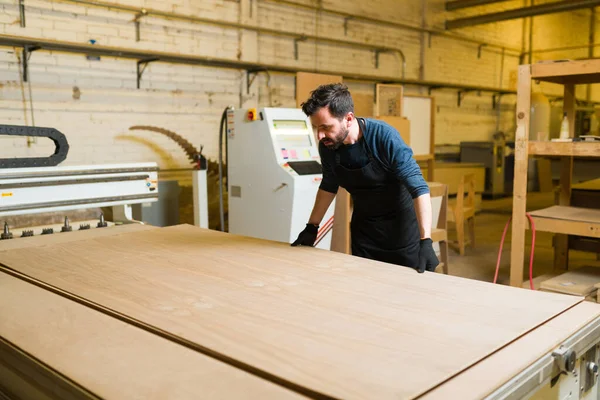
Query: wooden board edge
x,y
252,370
23,376
494,359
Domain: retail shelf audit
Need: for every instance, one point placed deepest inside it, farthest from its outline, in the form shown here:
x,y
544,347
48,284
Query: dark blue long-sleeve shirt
x,y
387,147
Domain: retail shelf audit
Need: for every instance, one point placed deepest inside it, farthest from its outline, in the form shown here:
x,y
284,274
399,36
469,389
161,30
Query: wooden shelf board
x,y
423,157
438,235
564,72
567,220
581,149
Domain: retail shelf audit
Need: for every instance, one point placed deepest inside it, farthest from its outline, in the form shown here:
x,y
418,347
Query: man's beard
x,y
335,143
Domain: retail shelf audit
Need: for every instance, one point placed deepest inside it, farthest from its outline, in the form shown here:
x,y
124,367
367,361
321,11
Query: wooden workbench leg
x,y
430,172
561,242
340,235
443,224
517,251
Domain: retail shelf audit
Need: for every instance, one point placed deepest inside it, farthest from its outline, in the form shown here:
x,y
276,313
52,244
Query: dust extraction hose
x,y
222,133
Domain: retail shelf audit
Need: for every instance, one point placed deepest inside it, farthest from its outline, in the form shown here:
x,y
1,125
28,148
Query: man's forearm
x,y
322,203
424,214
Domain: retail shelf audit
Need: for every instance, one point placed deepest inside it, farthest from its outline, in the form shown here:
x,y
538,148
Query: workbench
x,y
136,311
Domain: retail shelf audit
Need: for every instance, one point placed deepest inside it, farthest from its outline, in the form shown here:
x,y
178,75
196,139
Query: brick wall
x,y
95,102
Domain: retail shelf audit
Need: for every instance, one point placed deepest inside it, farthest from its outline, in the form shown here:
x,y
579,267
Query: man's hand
x,y
427,258
308,236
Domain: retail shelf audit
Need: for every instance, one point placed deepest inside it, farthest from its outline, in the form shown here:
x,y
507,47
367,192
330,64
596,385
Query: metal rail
x,y
298,37
541,9
380,22
137,54
460,4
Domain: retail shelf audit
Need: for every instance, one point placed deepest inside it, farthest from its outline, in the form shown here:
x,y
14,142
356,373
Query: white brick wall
x,y
190,99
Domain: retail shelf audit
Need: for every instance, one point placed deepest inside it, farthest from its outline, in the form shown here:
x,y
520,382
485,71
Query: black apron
x,y
384,224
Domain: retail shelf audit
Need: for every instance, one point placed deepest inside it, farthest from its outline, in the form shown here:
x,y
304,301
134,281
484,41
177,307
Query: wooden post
x,y
561,242
431,161
520,179
340,235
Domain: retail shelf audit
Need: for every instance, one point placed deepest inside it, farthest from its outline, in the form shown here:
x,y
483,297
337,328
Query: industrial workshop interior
x,y
287,199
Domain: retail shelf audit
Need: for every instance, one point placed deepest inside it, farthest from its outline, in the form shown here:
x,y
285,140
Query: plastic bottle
x,y
564,128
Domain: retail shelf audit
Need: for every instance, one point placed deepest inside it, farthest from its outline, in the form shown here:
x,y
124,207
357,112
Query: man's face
x,y
329,130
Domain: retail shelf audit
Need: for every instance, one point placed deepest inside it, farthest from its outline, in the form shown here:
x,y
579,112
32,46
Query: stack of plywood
x,y
183,312
582,281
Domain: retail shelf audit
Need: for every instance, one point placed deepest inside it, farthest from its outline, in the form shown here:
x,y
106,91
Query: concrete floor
x,y
480,262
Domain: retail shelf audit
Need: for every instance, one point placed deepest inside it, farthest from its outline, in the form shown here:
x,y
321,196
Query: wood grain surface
x,y
312,319
67,237
579,282
109,358
579,214
491,373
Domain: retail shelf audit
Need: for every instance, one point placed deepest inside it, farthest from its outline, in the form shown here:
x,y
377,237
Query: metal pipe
x,y
523,34
237,25
233,25
403,58
541,9
459,4
515,52
423,39
553,49
22,13
399,25
140,54
498,104
591,40
530,55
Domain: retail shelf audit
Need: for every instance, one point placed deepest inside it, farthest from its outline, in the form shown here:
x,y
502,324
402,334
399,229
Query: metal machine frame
x,y
50,189
573,365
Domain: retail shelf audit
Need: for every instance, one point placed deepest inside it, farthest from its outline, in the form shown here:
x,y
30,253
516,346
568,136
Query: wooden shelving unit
x,y
561,219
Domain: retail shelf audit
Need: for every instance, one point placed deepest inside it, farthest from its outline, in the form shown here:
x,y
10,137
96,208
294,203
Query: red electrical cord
x,y
530,255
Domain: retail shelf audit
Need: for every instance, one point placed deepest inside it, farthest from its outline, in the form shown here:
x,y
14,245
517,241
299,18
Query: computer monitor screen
x,y
292,134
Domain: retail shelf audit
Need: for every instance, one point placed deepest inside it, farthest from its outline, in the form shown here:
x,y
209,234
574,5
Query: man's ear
x,y
349,119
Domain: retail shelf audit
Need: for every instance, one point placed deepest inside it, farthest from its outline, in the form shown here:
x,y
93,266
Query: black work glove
x,y
308,236
427,258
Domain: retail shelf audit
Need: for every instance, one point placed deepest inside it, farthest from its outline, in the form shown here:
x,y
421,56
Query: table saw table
x,y
137,311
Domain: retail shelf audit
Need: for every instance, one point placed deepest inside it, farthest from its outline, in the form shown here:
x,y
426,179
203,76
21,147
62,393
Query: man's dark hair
x,y
335,95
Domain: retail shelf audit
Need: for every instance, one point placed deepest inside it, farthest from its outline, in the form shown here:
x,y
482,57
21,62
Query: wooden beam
x,y
561,241
520,179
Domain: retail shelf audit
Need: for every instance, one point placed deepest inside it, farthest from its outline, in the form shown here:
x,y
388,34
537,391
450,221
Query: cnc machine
x,y
274,172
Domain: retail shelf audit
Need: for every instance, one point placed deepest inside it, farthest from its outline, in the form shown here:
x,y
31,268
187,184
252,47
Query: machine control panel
x,y
294,140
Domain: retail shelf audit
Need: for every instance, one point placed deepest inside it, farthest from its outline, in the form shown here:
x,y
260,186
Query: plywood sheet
x,y
306,82
401,124
67,237
490,374
578,214
363,104
450,174
335,324
578,282
592,185
110,358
